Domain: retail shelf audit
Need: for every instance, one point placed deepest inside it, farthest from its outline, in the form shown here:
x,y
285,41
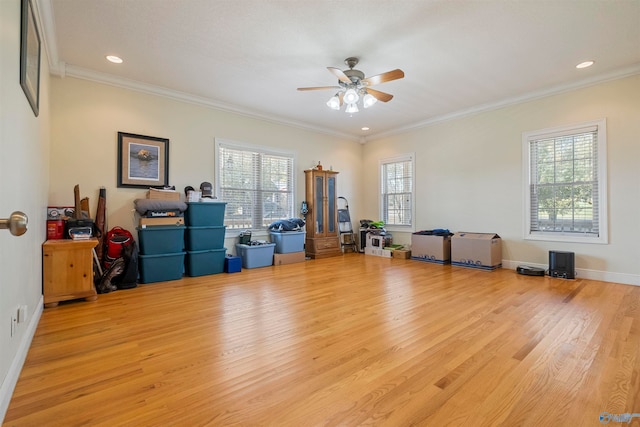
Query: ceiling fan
x,y
353,86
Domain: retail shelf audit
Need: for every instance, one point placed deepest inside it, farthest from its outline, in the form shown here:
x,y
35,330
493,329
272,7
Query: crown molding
x,y
108,79
615,75
82,73
44,16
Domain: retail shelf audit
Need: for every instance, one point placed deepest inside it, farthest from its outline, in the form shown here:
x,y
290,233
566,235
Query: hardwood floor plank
x,y
350,340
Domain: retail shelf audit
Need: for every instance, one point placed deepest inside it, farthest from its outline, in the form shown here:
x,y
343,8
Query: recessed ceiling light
x,y
365,128
585,64
114,59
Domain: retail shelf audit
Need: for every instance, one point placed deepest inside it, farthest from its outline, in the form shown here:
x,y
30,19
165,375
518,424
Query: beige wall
x,y
468,170
86,117
24,171
469,175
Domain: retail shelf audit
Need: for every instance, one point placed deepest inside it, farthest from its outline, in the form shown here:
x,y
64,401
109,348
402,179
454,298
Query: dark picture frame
x,y
30,47
143,161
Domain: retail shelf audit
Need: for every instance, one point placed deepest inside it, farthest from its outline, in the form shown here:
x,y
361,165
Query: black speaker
x,y
363,238
562,264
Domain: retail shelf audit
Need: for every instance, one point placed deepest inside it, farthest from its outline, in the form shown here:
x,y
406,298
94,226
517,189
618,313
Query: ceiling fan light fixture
x,y
334,103
368,100
351,96
351,108
353,87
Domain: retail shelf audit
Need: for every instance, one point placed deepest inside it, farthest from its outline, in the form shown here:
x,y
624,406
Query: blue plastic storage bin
x,y
204,238
256,256
202,263
161,239
288,241
205,214
161,267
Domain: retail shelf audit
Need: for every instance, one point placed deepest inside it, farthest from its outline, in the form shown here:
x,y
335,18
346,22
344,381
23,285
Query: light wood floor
x,y
352,340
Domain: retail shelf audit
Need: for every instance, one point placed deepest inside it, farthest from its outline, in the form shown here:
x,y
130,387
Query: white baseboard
x,y
583,273
10,381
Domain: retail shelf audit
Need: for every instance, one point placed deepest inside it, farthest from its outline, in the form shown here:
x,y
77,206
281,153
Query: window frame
x,y
397,159
243,146
603,223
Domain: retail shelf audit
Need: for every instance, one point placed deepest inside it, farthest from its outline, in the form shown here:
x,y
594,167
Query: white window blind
x,y
256,183
397,191
566,183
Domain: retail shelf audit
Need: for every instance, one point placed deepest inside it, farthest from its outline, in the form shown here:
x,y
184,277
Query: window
x,y
565,195
397,191
256,182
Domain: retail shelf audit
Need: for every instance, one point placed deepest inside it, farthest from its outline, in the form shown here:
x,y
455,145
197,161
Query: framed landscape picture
x,y
143,161
30,56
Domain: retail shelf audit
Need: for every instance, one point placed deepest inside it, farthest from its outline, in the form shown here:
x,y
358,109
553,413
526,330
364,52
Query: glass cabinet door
x,y
319,211
331,208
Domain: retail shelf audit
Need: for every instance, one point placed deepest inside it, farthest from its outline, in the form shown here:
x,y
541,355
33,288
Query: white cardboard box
x,y
384,253
378,241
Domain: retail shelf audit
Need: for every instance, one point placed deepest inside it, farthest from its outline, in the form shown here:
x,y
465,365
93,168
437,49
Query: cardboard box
x,y
476,250
288,258
160,221
378,241
401,253
163,194
431,248
384,253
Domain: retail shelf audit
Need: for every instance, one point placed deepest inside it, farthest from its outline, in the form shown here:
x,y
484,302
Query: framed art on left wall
x,y
30,56
143,161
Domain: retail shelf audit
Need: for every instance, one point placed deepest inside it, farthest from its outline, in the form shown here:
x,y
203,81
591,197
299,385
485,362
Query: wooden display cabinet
x,y
322,238
67,270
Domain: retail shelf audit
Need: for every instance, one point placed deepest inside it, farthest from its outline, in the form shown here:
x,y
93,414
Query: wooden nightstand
x,y
67,270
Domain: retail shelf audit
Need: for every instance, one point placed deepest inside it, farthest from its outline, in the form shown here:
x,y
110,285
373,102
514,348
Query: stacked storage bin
x,y
204,238
255,256
161,253
289,247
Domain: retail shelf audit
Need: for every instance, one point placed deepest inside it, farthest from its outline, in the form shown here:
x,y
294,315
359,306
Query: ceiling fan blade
x,y
380,96
319,88
340,75
340,96
384,77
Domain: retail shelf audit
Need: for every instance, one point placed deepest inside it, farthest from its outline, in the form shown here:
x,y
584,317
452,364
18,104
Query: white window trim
x,y
603,202
261,148
399,158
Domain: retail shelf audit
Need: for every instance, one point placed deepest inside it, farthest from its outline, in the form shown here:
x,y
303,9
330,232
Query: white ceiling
x,y
250,56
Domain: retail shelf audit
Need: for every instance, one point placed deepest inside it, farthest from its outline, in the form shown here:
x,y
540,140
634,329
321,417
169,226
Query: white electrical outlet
x,y
22,313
